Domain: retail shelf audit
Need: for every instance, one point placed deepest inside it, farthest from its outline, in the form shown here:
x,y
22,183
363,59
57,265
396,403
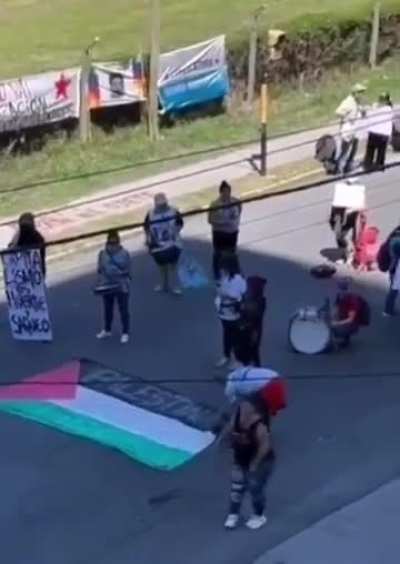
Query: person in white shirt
x,y
230,293
379,134
163,225
349,113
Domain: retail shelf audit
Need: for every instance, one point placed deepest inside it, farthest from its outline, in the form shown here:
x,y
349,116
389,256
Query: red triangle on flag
x,y
58,384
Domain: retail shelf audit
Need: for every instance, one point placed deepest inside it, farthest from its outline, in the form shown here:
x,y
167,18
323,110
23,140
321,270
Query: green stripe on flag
x,y
135,446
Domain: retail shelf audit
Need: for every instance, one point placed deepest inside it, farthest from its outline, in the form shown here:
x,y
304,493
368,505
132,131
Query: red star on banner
x,y
62,86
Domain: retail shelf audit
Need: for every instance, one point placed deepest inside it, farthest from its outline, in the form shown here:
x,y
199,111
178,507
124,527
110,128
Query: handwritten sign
x,y
26,296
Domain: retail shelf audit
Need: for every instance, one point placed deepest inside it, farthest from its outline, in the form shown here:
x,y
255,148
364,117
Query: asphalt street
x,y
70,501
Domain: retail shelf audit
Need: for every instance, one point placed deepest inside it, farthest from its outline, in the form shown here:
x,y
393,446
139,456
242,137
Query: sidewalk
x,y
365,532
186,180
138,195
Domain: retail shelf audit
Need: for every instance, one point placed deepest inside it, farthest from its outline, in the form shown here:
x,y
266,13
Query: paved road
x,y
68,501
345,536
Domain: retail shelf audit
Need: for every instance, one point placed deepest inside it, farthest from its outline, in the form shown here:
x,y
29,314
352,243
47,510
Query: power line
x,y
199,211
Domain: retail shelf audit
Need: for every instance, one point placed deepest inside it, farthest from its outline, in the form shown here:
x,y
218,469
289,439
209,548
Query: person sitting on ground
x,y
224,218
350,313
162,226
253,463
27,236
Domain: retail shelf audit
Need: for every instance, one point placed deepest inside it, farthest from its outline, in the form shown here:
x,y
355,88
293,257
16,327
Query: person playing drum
x,y
350,312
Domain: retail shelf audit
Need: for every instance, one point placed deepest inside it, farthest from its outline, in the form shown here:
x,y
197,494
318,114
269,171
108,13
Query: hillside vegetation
x,y
43,34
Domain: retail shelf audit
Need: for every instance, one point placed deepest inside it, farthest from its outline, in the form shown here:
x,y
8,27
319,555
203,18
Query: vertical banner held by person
x,y
26,296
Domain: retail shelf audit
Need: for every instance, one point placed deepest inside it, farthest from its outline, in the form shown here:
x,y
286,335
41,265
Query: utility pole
x,y
153,124
252,65
84,111
264,125
376,24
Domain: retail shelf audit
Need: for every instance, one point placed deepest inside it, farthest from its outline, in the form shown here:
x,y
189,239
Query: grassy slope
x,y
40,34
43,34
292,110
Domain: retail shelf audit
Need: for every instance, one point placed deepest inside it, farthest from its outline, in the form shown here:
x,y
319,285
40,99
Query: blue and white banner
x,y
194,75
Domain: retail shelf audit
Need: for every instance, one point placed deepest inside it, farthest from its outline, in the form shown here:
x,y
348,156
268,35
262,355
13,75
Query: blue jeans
x,y
254,482
122,300
391,301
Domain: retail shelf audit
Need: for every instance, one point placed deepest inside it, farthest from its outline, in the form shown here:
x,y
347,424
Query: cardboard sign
x,y
350,196
26,296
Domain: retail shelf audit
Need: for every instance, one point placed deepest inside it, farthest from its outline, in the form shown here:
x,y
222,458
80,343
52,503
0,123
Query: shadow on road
x,y
66,500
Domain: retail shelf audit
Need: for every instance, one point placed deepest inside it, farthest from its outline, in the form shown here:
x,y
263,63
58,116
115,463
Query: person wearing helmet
x,y
349,113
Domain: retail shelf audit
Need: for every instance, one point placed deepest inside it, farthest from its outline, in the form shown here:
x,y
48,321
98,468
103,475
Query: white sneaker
x,y
256,522
177,292
231,522
124,339
103,335
158,289
222,362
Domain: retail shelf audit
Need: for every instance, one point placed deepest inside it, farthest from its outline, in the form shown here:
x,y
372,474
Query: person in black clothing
x,y
343,223
252,317
253,462
28,237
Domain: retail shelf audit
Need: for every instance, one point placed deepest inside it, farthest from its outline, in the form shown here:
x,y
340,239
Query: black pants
x,y
223,243
254,482
375,156
230,336
348,151
342,224
122,300
249,341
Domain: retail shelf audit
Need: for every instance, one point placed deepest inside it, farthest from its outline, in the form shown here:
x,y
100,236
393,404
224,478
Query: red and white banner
x,y
40,99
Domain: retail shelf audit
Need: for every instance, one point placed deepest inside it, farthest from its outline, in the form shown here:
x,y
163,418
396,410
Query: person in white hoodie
x,y
379,134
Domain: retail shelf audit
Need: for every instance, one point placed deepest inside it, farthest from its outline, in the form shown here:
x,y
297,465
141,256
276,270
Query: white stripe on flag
x,y
158,428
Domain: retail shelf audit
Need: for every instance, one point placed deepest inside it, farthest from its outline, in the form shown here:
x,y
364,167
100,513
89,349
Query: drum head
x,y
309,336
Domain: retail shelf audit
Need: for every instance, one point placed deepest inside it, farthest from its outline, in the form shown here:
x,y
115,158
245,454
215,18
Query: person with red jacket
x,y
346,320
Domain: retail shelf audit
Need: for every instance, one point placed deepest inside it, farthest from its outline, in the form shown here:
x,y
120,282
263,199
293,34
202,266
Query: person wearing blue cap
x,y
394,289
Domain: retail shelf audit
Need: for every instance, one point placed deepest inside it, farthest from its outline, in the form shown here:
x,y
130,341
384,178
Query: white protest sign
x,y
26,296
349,196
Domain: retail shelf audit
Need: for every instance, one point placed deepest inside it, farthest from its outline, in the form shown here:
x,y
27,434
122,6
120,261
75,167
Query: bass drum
x,y
309,332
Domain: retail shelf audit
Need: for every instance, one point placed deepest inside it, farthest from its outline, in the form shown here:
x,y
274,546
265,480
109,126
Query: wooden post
x,y
251,79
264,130
84,112
376,24
154,71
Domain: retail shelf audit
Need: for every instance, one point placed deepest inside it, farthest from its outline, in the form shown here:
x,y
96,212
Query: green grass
x,y
45,34
291,110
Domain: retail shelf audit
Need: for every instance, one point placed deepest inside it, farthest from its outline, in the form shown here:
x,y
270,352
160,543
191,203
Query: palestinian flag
x,y
150,424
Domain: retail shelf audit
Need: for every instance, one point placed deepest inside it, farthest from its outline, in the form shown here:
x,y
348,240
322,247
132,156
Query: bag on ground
x,y
191,273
